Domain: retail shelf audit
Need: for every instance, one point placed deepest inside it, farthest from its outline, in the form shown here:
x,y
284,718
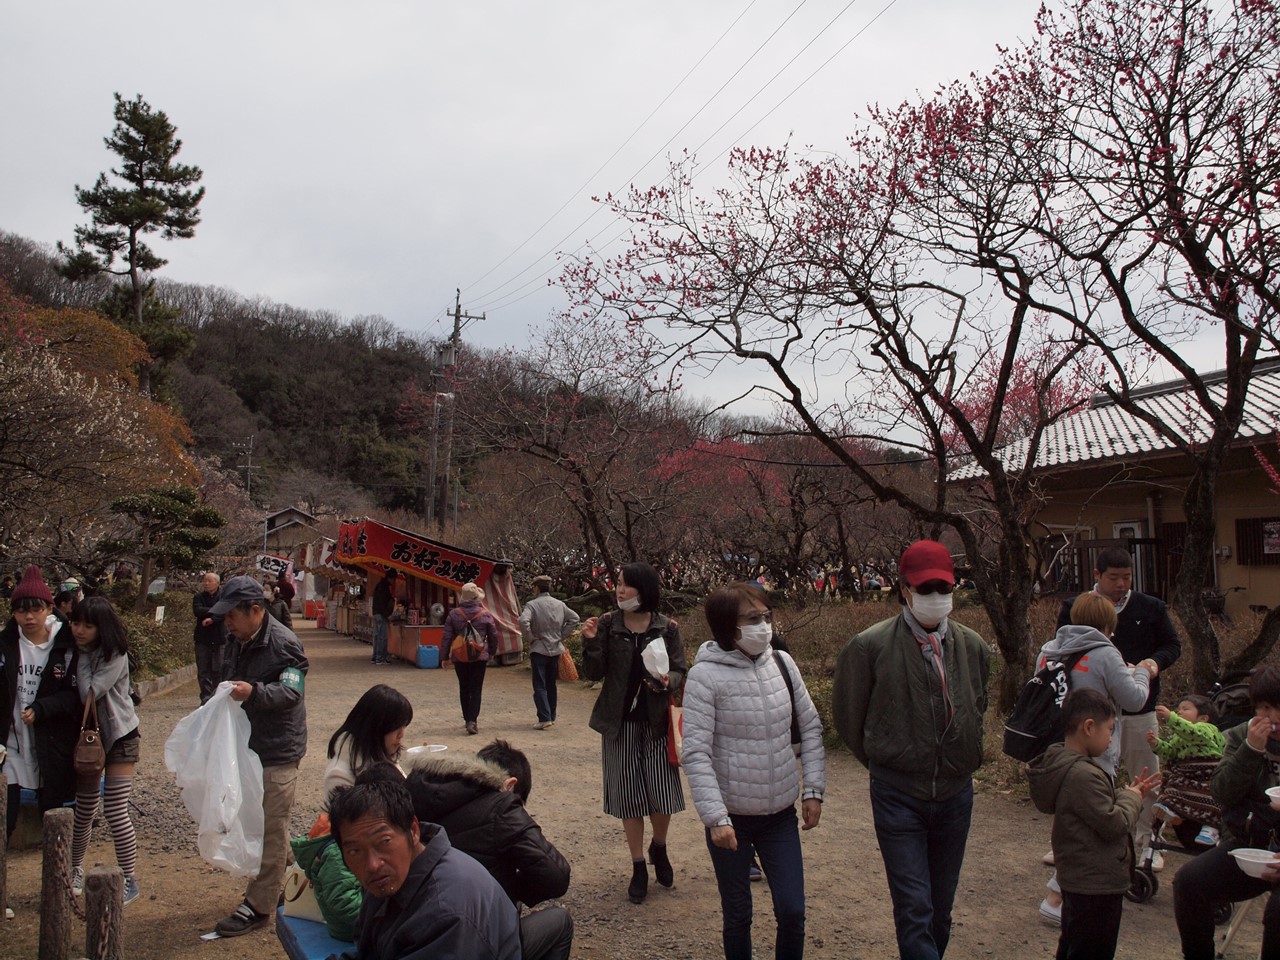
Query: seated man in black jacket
x,y
480,803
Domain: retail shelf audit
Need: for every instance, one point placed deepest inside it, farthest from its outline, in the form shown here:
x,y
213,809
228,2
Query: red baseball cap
x,y
926,560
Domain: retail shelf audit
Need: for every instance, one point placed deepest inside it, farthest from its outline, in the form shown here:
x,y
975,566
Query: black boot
x,y
661,865
639,886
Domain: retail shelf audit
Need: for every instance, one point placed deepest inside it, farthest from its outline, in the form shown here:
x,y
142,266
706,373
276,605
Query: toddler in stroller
x,y
1191,749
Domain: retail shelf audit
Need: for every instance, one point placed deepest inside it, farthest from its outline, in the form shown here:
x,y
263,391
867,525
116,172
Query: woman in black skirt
x,y
631,717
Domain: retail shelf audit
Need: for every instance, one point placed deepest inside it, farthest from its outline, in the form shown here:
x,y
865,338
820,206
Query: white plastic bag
x,y
655,658
221,782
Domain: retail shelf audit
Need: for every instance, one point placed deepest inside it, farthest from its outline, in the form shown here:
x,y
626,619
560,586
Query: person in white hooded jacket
x,y
752,746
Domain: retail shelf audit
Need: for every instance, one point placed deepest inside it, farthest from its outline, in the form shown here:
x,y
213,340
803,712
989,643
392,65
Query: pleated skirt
x,y
638,780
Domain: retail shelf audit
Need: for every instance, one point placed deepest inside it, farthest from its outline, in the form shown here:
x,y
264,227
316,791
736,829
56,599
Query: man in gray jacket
x,y
908,699
268,668
544,623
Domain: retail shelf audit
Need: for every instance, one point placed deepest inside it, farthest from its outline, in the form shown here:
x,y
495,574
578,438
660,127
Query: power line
x,y
595,212
586,183
517,295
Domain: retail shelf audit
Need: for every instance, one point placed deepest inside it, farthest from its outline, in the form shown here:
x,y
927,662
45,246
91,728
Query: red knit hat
x,y
32,585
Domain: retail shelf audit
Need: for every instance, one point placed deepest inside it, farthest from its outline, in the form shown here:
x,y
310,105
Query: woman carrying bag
x,y
471,637
631,716
103,681
752,747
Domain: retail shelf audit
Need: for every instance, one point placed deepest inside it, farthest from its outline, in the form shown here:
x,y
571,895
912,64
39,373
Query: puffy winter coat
x,y
888,707
338,892
1102,668
737,753
465,796
1092,822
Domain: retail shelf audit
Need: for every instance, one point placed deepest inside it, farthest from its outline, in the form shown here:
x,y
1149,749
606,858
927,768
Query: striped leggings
x,y
115,805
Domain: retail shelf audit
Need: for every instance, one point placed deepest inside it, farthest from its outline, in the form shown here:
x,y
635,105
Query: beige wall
x,y
1098,498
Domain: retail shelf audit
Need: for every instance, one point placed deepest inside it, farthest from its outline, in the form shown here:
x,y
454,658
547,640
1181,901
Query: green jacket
x,y
888,707
1092,823
1240,784
337,890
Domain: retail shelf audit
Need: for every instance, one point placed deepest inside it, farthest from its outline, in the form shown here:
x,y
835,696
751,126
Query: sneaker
x,y
544,725
1051,914
244,919
1047,859
1157,860
1207,837
131,892
77,881
755,872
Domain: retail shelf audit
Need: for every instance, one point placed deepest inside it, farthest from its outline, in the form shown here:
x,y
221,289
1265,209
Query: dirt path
x,y
848,908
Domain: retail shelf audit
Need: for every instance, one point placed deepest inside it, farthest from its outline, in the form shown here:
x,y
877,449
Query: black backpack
x,y
1036,721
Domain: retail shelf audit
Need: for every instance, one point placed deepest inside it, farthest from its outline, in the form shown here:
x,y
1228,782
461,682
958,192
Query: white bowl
x,y
425,749
1253,861
1273,794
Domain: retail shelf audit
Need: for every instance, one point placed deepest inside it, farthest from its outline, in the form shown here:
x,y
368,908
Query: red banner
x,y
367,542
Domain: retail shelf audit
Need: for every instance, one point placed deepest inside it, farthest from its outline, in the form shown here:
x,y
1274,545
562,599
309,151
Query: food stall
x,y
432,573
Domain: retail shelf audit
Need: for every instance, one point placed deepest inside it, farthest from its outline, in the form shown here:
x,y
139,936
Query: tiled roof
x,y
1105,432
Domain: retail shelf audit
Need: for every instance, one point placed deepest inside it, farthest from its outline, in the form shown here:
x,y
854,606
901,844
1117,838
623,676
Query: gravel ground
x,y
848,910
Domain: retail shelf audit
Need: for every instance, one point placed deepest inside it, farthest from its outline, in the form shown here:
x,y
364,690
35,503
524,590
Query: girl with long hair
x,y
372,733
103,673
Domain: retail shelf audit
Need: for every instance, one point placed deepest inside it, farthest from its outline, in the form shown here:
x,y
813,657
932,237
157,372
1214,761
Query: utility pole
x,y
247,449
447,359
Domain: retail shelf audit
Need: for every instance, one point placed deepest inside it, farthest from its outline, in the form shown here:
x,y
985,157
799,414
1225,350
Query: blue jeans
x,y
922,843
379,638
546,670
776,840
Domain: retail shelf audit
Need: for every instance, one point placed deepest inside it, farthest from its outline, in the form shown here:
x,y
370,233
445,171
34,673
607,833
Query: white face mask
x,y
754,637
629,606
930,608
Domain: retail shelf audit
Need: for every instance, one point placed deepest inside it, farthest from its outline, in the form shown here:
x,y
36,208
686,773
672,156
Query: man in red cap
x,y
39,702
909,696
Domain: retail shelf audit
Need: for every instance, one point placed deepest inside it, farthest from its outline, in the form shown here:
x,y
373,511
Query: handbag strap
x,y
791,692
90,706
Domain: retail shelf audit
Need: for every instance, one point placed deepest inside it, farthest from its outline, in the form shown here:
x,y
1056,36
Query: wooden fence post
x,y
55,886
104,913
4,848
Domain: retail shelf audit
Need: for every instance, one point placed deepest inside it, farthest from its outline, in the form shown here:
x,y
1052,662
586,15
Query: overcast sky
x,y
368,158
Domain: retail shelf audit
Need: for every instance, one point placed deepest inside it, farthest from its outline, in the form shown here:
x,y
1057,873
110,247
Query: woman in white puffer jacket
x,y
743,730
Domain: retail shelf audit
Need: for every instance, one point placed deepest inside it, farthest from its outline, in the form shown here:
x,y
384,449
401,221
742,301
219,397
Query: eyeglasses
x,y
755,617
934,586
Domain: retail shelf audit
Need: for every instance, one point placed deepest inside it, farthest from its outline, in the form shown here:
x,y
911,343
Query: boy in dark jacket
x,y
480,803
1092,825
39,702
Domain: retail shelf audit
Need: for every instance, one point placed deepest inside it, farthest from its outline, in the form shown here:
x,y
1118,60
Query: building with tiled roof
x,y
1107,477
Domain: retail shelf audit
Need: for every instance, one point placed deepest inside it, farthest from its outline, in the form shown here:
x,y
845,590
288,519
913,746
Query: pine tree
x,y
151,193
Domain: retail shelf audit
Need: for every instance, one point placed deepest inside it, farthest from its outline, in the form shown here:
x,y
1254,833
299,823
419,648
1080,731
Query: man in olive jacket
x,y
1250,764
908,699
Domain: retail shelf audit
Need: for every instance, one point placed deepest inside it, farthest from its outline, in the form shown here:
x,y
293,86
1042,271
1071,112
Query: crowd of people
x,y
421,854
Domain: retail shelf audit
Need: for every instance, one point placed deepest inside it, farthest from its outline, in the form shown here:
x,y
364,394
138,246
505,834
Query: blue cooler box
x,y
429,657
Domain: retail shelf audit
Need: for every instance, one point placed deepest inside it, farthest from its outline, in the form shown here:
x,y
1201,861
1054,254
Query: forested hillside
x,y
301,404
